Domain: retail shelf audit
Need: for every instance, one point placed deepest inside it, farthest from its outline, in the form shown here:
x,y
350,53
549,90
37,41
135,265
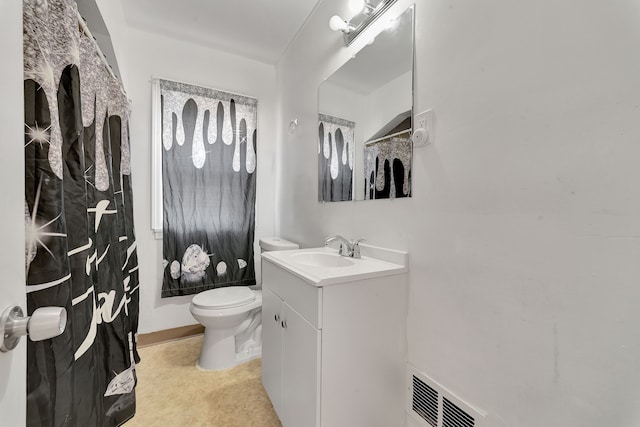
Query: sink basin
x,y
321,259
324,266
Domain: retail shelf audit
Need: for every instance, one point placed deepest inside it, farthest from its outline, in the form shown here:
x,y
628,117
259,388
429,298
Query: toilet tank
x,y
276,244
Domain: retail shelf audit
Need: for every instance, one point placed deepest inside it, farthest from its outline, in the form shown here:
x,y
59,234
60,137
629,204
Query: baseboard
x,y
145,340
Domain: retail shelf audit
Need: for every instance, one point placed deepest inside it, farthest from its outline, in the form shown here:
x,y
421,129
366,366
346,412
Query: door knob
x,y
44,323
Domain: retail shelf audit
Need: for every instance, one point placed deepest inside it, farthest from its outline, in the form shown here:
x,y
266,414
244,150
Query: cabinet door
x,y
272,316
301,371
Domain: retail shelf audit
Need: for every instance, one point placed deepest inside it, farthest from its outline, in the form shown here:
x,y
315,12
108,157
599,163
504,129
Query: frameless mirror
x,y
365,111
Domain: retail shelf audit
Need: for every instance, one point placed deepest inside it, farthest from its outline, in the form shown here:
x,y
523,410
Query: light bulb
x,y
338,24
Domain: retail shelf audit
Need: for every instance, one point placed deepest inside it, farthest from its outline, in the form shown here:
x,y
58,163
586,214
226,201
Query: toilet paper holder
x,y
44,323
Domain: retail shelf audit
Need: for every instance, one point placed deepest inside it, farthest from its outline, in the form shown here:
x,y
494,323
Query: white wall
x,y
341,102
385,103
152,55
524,225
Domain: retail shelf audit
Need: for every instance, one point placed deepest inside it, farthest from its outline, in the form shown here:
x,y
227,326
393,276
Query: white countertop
x,y
387,262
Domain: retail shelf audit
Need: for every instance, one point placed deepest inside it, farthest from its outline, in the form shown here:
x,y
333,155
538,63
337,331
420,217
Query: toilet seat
x,y
222,298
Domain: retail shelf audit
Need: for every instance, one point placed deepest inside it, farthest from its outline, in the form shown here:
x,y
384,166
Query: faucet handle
x,y
344,250
341,249
356,249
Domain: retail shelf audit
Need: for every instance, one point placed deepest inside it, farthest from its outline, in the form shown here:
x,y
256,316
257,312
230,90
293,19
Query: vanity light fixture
x,y
338,24
361,6
366,12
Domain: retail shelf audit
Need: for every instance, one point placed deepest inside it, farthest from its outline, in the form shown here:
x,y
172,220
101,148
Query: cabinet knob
x,y
284,324
277,317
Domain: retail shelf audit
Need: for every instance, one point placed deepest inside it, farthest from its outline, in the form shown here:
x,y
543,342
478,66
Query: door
x,y
272,348
12,261
301,371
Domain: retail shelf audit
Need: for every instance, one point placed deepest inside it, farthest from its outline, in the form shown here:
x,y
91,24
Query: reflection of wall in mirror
x,y
335,158
371,111
387,102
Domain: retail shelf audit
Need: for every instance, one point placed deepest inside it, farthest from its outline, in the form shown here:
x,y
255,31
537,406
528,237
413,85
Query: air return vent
x,y
432,405
425,401
452,416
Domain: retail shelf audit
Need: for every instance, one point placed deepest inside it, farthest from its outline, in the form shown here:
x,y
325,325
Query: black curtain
x,y
335,159
209,188
80,242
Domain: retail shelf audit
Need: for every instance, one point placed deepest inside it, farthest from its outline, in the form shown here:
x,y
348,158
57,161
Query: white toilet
x,y
232,320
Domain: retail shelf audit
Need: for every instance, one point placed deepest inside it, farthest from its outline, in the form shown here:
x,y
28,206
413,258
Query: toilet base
x,y
231,335
218,353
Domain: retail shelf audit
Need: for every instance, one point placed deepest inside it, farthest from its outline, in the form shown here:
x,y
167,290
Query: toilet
x,y
232,320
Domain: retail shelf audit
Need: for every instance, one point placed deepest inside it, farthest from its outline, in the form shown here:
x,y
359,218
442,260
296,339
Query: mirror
x,y
365,112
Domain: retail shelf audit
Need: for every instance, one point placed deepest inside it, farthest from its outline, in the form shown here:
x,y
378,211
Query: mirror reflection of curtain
x,y
80,245
388,168
209,188
335,159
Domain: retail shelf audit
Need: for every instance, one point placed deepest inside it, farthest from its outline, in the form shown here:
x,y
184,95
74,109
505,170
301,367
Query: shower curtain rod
x,y
387,137
85,29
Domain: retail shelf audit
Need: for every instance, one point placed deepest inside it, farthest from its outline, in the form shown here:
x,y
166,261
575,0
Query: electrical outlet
x,y
421,121
423,129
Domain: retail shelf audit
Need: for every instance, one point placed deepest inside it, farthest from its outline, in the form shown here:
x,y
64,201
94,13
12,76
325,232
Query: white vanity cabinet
x,y
291,346
292,376
334,355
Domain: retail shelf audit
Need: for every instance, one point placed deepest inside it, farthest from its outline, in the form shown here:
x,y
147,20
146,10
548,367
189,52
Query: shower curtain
x,y
208,186
387,167
335,158
80,250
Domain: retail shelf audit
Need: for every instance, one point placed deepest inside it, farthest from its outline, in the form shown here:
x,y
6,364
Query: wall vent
x,y
432,405
425,401
452,416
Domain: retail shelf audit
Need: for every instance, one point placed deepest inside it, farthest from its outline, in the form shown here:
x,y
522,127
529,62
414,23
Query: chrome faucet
x,y
348,248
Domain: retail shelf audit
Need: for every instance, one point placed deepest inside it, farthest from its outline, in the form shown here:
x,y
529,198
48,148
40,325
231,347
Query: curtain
x,y
335,158
388,167
209,188
80,250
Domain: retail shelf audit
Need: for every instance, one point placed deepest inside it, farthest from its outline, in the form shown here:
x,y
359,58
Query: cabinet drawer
x,y
304,298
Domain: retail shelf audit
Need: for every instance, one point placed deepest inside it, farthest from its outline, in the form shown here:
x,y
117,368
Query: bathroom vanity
x,y
334,336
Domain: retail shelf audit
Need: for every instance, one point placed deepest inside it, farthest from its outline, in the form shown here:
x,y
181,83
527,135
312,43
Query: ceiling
x,y
256,29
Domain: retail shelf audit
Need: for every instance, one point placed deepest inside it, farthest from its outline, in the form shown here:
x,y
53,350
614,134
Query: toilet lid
x,y
231,296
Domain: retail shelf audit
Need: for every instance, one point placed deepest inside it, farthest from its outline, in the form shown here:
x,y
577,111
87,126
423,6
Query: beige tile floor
x,y
172,391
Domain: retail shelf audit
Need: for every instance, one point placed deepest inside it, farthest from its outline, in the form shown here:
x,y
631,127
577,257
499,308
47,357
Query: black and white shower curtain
x,y
80,246
387,167
335,158
209,188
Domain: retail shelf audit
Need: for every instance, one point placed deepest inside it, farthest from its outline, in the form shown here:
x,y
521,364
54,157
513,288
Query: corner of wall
x,y
106,21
